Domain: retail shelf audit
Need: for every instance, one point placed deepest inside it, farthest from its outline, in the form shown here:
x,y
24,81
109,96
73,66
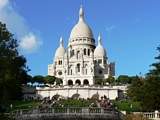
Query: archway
x,y
85,82
70,82
75,96
78,82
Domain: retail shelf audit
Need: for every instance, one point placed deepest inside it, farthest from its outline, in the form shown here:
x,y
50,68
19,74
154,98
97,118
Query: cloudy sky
x,y
130,29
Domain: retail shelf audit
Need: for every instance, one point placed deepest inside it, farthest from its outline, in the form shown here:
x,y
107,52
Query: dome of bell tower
x,y
60,50
100,50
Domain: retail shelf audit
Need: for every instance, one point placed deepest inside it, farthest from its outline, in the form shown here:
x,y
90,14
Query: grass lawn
x,y
17,105
74,103
124,105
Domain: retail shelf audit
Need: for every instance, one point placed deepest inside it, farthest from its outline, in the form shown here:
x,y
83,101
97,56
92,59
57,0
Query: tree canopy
x,y
151,96
13,69
155,71
147,90
124,79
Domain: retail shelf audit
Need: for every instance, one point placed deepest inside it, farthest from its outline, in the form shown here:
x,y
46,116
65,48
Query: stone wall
x,y
84,92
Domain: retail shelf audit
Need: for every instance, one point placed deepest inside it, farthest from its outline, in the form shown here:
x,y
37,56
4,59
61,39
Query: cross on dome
x,y
99,39
81,13
61,41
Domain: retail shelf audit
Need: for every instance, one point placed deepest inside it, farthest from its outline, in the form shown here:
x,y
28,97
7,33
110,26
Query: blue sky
x,y
130,29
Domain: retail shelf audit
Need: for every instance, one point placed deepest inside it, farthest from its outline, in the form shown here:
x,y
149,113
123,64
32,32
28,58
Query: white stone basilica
x,y
80,65
82,62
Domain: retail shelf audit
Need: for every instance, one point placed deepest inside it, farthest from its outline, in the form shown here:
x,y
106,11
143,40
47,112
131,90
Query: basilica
x,y
80,65
81,62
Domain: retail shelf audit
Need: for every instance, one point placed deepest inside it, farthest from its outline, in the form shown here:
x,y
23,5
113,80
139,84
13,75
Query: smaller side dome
x,y
100,51
60,50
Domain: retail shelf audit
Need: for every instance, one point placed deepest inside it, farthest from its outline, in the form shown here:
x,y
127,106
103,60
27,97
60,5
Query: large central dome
x,y
81,29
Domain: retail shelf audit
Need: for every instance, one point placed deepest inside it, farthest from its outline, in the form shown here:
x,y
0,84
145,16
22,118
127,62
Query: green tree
x,y
13,69
151,94
110,80
38,79
135,89
124,79
50,79
147,90
155,71
99,81
58,81
28,79
151,98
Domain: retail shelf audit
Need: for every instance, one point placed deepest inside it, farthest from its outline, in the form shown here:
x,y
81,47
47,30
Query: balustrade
x,y
152,115
92,110
66,113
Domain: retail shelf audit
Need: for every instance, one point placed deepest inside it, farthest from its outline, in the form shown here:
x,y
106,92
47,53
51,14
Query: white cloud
x,y
30,42
3,3
18,26
110,28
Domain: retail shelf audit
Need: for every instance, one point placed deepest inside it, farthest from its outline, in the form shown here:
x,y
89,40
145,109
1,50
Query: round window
x,y
60,73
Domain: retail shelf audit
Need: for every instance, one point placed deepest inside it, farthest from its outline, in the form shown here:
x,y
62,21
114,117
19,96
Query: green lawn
x,y
17,105
74,103
125,105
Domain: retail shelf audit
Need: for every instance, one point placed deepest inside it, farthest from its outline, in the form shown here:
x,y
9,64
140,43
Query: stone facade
x,y
83,92
79,65
82,62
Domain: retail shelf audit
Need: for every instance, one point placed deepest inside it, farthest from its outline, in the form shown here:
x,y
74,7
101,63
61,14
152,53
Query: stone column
x,y
156,114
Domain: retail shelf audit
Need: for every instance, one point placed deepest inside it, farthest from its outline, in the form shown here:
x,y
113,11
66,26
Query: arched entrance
x,y
70,82
78,82
85,82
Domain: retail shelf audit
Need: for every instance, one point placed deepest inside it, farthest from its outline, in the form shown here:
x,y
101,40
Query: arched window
x,y
78,68
60,62
78,54
88,52
85,82
70,70
72,53
78,82
85,51
86,71
70,82
100,61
